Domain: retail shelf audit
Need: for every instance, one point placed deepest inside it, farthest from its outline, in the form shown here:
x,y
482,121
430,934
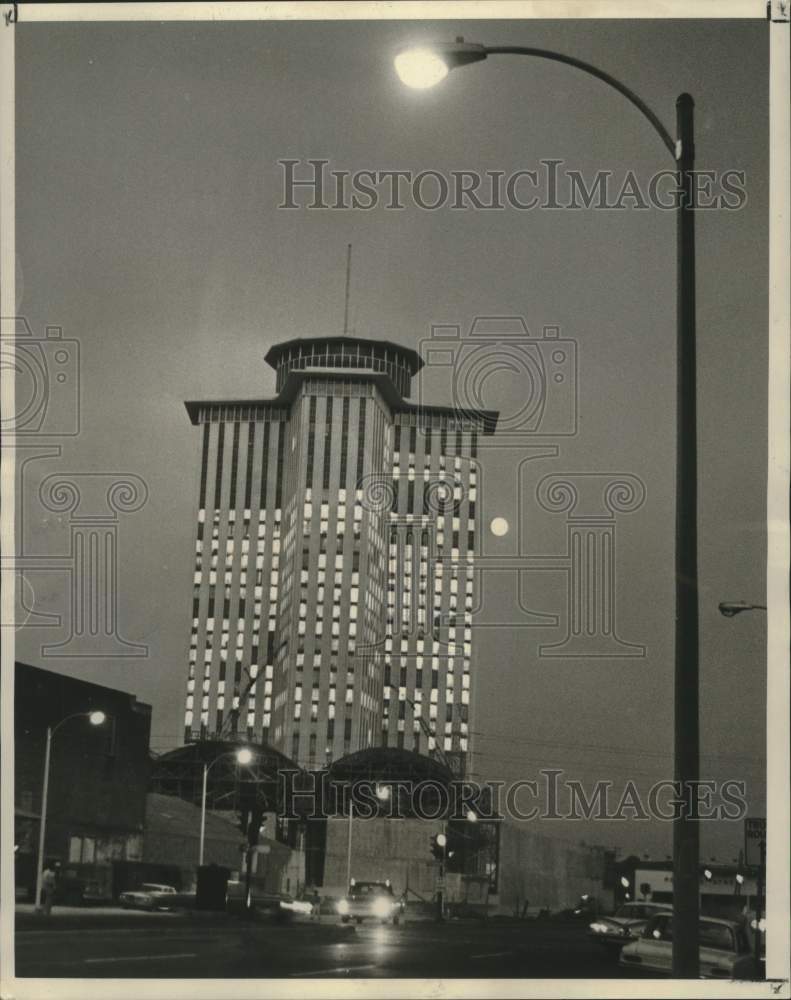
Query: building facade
x,y
334,560
98,775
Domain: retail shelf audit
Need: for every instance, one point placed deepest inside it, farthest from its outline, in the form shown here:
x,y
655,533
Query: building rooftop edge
x,y
275,350
396,402
70,678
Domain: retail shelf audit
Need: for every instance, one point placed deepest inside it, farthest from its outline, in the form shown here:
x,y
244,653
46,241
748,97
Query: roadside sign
x,y
755,840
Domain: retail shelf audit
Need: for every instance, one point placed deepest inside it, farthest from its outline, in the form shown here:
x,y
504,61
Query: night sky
x,y
148,228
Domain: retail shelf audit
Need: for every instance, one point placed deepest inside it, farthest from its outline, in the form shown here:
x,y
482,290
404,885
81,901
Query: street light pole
x,y
43,822
383,794
243,756
686,833
203,816
349,847
423,68
96,719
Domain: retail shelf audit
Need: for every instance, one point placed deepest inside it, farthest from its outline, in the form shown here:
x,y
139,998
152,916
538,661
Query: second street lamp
x,y
426,66
731,608
382,794
243,756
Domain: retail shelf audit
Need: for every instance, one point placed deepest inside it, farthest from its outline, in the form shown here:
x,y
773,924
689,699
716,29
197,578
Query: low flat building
x,y
98,777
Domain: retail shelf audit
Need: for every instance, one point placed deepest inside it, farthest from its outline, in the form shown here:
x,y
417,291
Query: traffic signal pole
x,y
442,858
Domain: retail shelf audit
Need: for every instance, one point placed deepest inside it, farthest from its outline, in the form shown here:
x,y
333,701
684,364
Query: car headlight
x,y
343,906
598,927
382,907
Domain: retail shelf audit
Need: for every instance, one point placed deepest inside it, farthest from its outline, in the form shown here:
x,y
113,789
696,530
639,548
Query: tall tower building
x,y
334,559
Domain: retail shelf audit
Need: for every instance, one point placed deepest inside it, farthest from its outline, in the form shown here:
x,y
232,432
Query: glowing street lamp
x,y
383,794
429,64
424,67
420,68
96,718
731,608
244,755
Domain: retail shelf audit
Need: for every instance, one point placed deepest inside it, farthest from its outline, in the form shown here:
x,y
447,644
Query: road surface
x,y
228,948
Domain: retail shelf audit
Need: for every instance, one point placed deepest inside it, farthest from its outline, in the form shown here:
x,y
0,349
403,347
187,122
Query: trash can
x,y
211,887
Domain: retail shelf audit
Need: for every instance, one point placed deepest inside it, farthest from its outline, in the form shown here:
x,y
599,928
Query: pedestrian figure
x,y
315,913
48,882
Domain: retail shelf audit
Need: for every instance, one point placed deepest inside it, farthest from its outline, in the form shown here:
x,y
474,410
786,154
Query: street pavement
x,y
183,946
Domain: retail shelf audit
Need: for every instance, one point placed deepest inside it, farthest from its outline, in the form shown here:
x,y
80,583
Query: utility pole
x,y
759,907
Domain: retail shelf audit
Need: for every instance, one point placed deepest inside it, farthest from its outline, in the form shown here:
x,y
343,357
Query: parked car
x,y
626,924
150,896
724,949
370,901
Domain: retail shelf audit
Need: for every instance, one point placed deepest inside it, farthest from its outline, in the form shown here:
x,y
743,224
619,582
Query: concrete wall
x,y
396,849
546,871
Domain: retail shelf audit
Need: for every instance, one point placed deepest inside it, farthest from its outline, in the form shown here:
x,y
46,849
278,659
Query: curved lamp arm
x,y
74,715
600,74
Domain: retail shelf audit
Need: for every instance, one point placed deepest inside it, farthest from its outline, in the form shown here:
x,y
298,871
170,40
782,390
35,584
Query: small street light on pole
x,y
243,756
383,794
96,718
442,841
729,609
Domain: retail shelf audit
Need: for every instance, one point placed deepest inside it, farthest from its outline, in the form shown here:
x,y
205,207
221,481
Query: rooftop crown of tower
x,y
400,364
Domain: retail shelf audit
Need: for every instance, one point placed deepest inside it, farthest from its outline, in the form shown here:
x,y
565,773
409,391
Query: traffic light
x,y
252,821
438,844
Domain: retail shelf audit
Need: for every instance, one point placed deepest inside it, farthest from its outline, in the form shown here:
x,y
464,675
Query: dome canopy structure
x,y
229,783
382,764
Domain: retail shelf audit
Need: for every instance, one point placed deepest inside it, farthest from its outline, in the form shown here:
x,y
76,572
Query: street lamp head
x,y
425,66
382,792
731,608
441,840
97,718
244,756
471,817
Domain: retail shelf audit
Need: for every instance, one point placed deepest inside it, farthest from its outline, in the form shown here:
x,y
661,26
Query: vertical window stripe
x,y
264,463
327,445
248,482
344,441
361,444
281,438
204,465
234,464
311,442
218,478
